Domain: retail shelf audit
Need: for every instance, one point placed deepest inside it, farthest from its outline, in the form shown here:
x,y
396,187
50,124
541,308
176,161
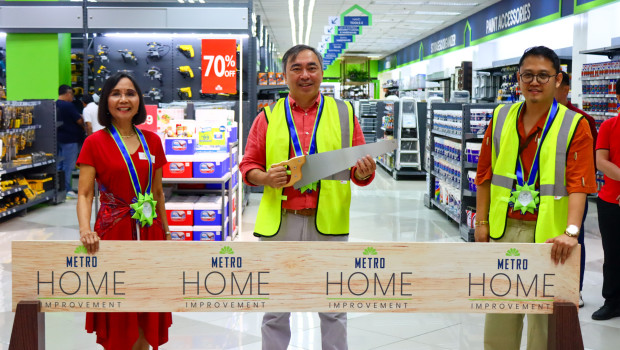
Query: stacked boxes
x,y
197,218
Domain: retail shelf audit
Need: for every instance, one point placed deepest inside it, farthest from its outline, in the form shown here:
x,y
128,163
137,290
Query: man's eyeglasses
x,y
542,78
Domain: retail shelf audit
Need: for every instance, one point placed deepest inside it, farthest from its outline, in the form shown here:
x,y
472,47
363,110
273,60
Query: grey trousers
x,y
276,328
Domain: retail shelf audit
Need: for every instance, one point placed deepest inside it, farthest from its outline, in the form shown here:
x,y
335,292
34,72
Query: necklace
x,y
127,136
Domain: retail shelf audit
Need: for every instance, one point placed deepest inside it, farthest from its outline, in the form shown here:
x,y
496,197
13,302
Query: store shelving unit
x,y
463,198
369,121
44,126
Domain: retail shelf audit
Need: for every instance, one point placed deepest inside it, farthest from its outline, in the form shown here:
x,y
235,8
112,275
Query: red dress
x,y
116,330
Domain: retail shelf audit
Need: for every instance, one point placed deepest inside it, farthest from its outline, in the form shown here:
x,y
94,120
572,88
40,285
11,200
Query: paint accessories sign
x,y
292,276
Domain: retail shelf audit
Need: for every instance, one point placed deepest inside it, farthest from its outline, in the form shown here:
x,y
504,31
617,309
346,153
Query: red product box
x,y
178,167
181,233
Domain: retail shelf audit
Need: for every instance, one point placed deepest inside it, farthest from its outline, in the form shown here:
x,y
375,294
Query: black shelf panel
x,y
22,129
450,182
470,136
469,193
468,165
445,210
26,166
271,87
13,190
452,136
49,195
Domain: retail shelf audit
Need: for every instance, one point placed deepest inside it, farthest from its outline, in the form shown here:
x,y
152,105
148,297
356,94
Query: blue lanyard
x,y
531,180
133,173
293,130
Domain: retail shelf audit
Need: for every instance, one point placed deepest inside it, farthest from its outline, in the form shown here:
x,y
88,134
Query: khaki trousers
x,y
503,331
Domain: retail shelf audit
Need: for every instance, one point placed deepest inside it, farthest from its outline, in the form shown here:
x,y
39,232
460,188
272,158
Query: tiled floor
x,y
385,211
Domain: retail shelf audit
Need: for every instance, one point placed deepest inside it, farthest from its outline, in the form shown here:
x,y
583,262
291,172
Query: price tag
x,y
219,66
150,123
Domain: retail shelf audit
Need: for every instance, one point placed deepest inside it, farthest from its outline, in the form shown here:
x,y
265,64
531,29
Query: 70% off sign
x,y
219,64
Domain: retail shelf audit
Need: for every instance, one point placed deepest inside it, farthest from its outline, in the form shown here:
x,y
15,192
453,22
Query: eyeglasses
x,y
542,78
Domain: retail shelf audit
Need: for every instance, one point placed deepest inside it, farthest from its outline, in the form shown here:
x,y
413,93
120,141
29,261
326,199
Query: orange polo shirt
x,y
580,172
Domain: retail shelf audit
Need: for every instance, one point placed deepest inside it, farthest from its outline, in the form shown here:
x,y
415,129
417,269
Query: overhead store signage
x,y
341,30
499,19
337,52
337,46
356,21
348,30
219,66
343,38
292,276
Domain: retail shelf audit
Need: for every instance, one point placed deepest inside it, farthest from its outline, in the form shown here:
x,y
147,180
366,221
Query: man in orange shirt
x,y
540,206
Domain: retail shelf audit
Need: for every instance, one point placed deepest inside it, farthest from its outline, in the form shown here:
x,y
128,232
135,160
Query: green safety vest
x,y
553,207
335,131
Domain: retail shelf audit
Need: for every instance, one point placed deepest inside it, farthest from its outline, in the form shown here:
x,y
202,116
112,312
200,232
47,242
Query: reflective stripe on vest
x,y
334,196
553,209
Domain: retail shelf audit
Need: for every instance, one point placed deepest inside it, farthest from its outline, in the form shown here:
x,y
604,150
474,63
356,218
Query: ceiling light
x,y
430,21
190,1
176,35
182,1
291,17
201,1
301,21
437,13
394,13
309,21
398,3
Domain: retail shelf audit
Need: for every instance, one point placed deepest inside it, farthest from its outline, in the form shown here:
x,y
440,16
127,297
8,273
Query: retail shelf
x,y
412,165
408,151
271,87
469,193
12,190
470,136
385,166
449,160
444,208
467,233
599,96
468,165
441,177
410,139
454,136
38,200
197,180
26,166
605,77
608,114
17,130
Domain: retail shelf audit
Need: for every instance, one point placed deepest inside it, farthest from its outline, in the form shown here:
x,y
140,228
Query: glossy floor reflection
x,y
385,211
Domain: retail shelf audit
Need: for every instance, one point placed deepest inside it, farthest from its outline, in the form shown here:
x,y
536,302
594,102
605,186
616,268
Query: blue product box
x,y
232,132
180,146
209,233
233,181
211,165
208,211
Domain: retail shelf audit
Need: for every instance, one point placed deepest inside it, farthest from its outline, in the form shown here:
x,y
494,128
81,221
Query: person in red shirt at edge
x,y
561,95
608,205
305,121
507,213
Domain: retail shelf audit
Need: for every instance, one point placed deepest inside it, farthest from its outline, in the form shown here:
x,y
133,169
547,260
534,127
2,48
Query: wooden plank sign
x,y
129,276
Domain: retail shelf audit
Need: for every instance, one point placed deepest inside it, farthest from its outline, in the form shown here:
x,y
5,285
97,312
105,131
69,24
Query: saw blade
x,y
321,165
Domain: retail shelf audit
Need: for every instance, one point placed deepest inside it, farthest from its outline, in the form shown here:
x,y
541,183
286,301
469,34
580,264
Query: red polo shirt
x,y
255,154
609,140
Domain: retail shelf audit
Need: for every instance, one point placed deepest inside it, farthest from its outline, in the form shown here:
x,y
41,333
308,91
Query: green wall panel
x,y
64,58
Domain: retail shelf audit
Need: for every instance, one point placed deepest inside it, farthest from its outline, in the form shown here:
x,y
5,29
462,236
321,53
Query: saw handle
x,y
294,166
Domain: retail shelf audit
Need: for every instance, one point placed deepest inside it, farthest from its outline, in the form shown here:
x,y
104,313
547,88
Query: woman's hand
x,y
90,240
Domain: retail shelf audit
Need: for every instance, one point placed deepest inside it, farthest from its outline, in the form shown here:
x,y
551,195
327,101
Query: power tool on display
x,y
154,94
155,73
103,73
185,93
128,56
187,50
186,71
102,53
156,50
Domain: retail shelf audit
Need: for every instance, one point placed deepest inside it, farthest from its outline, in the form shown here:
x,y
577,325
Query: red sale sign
x,y
150,123
219,66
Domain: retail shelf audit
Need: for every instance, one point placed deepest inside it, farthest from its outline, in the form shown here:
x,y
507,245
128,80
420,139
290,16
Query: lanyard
x,y
131,168
293,129
531,180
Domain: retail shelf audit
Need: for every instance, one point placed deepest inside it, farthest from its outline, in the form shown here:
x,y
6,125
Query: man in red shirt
x,y
561,95
305,122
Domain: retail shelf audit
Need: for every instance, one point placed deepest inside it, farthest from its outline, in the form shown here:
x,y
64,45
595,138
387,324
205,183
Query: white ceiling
x,y
395,24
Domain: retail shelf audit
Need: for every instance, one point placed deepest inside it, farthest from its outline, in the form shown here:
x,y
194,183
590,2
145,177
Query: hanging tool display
x,y
154,94
187,50
154,72
185,93
186,72
156,51
102,53
128,56
103,73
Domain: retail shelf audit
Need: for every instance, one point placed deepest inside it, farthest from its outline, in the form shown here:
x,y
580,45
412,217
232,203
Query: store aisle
x,y
387,210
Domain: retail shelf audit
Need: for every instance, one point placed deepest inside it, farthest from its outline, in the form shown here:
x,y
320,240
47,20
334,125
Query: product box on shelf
x,y
181,233
213,131
180,210
471,177
262,78
210,233
211,165
181,139
208,211
280,79
167,119
233,181
271,76
472,149
178,167
232,132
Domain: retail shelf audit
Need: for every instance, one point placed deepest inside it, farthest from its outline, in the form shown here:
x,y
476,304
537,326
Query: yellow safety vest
x,y
335,131
553,207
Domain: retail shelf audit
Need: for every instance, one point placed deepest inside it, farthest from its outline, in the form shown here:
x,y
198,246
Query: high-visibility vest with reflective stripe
x,y
335,131
553,207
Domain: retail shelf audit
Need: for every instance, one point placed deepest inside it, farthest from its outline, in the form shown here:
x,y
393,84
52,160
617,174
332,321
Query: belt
x,y
303,212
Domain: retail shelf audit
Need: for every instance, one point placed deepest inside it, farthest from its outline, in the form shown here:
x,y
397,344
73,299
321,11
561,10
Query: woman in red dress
x,y
105,158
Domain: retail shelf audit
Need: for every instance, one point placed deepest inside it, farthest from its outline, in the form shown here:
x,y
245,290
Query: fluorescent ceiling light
x,y
201,1
190,1
430,21
175,35
291,17
437,13
394,13
309,21
300,15
182,1
2,35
